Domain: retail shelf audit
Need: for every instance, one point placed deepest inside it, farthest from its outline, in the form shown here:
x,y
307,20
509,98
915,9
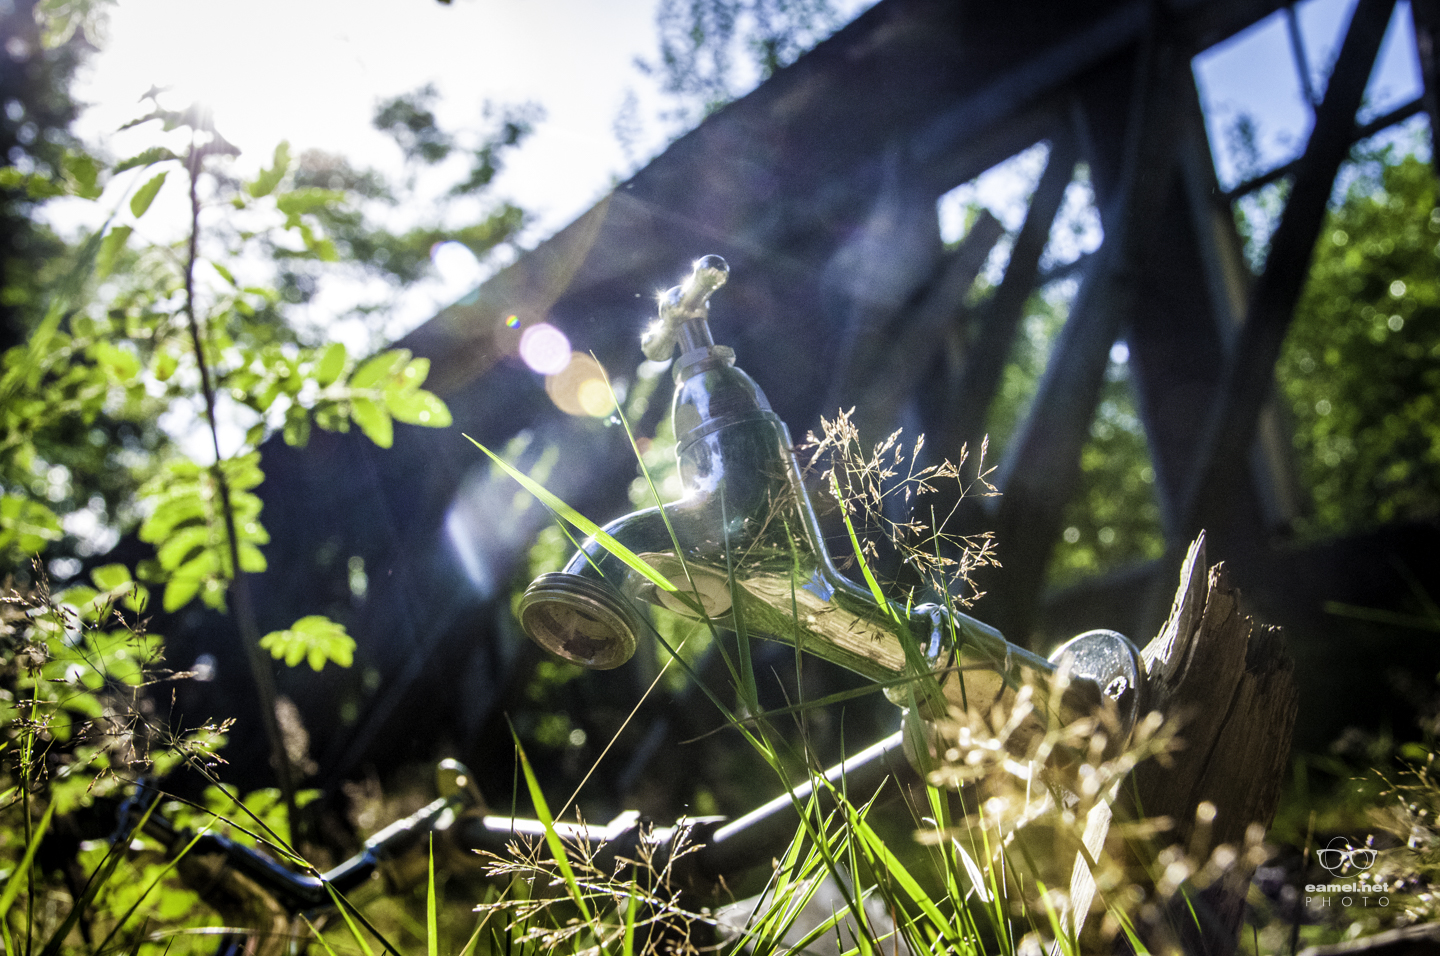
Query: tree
x,y
1360,371
712,50
39,58
127,332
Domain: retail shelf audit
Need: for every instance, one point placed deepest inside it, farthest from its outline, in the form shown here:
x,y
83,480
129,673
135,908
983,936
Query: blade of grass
x,y
350,922
12,886
870,581
432,939
97,881
318,938
883,859
173,862
749,693
552,838
832,922
582,523
634,902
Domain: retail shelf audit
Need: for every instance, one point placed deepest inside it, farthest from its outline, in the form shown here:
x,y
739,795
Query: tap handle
x,y
684,310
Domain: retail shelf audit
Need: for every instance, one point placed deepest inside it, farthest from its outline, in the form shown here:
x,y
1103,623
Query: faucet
x,y
743,548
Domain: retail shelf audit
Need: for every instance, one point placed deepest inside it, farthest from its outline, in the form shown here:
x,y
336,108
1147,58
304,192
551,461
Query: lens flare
x,y
454,262
512,321
580,389
545,349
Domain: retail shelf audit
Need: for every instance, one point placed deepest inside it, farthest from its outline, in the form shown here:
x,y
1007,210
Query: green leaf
x,y
37,186
244,472
265,183
374,421
79,595
315,639
374,370
324,249
83,173
417,407
86,705
181,546
145,195
151,156
202,565
120,363
182,506
110,247
27,525
298,202
164,365
416,371
331,364
297,427
179,592
252,559
138,598
111,576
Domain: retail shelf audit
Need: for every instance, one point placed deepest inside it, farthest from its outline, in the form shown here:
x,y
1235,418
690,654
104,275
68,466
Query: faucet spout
x,y
744,544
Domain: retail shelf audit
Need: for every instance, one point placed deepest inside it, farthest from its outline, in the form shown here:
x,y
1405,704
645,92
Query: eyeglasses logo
x,y
1344,858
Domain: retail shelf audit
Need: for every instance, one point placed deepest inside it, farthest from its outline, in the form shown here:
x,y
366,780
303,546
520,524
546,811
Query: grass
x,y
984,860
977,900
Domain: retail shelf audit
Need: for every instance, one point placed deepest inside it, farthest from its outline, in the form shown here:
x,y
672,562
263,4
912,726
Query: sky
x,y
1252,73
311,72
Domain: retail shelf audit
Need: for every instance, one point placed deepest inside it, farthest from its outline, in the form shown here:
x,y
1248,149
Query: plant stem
x,y
241,602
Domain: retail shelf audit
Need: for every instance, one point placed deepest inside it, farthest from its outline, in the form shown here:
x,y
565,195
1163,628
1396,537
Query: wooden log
x,y
1228,687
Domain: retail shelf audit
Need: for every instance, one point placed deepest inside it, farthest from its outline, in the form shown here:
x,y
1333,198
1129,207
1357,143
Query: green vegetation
x,y
712,50
106,333
1360,373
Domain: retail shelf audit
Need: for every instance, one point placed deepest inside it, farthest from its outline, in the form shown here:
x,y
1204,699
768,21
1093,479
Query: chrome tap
x,y
744,545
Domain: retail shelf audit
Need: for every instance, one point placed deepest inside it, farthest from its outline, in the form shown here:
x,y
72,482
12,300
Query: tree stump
x,y
1228,687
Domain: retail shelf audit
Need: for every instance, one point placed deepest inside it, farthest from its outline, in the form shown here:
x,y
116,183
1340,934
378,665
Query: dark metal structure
x,y
820,188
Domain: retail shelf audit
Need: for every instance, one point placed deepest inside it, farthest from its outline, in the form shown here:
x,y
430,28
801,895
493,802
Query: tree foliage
x,y
1360,372
147,374
41,53
138,379
712,50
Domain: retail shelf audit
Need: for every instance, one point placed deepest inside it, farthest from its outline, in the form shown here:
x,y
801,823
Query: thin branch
x,y
241,602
